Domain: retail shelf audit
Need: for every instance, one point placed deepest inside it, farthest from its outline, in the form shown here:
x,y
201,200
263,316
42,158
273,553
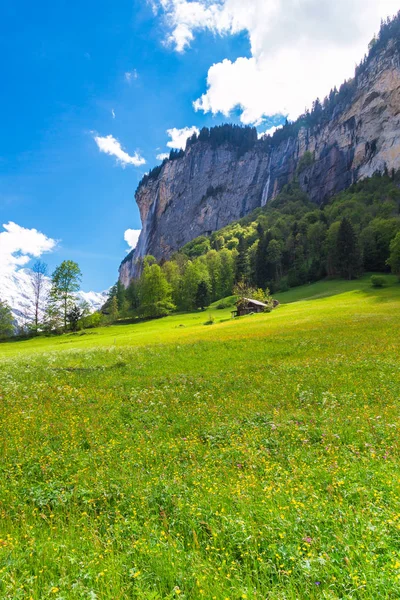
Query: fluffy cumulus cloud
x,y
299,49
131,236
19,245
162,156
180,136
110,145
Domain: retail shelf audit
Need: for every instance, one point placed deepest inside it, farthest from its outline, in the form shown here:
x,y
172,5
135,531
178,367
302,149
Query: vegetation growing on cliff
x,y
288,243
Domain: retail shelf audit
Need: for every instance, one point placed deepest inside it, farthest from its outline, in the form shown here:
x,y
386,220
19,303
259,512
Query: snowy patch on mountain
x,y
16,290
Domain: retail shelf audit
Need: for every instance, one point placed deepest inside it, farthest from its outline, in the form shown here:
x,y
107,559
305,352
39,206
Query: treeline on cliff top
x,y
246,138
288,243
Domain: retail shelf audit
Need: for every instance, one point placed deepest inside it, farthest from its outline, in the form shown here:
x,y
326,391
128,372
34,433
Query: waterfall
x,y
265,194
140,250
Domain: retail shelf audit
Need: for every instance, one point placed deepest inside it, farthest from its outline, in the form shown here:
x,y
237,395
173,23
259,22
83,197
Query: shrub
x,y
226,304
94,320
305,161
283,285
210,321
378,281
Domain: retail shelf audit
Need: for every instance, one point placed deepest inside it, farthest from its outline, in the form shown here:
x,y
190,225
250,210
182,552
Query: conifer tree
x,y
394,258
113,310
348,256
264,271
242,262
73,317
120,293
202,295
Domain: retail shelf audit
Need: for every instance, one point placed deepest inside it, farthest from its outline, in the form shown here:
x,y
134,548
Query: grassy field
x,y
255,458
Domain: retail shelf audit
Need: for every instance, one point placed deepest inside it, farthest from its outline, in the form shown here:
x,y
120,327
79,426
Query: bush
x,y
96,319
377,281
225,304
283,285
305,161
210,321
156,310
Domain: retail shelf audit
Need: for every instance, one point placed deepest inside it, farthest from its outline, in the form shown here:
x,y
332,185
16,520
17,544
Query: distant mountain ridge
x,y
16,290
224,175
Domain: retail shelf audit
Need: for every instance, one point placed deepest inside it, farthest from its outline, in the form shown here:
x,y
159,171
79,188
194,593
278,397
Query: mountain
x,y
225,173
16,290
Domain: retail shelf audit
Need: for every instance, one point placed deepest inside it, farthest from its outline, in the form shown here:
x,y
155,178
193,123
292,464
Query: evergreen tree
x,y
264,269
132,295
330,249
113,310
74,316
274,258
6,321
120,293
394,258
242,262
202,295
348,256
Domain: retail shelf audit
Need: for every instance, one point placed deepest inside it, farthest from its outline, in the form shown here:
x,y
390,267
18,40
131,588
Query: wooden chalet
x,y
245,306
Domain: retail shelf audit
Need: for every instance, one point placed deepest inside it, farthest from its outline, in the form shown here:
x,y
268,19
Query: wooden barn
x,y
245,306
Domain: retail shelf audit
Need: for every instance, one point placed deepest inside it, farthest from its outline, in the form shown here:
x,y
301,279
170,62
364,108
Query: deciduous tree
x,y
6,321
39,273
65,281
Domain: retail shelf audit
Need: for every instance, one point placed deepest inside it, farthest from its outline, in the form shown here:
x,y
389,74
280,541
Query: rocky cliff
x,y
210,186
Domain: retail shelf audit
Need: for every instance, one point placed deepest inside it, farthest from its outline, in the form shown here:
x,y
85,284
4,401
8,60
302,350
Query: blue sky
x,y
64,73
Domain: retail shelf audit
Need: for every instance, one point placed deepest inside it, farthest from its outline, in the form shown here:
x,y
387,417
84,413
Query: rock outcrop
x,y
210,186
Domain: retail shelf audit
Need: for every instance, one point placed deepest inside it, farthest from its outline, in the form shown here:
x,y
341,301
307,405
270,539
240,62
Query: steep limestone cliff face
x,y
210,187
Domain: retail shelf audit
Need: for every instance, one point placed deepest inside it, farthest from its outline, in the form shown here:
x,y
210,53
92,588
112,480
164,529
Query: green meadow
x,y
255,458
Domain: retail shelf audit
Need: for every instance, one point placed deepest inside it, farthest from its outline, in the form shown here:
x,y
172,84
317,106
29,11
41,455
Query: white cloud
x,y
180,136
110,145
19,245
131,75
269,131
131,236
162,156
113,113
300,49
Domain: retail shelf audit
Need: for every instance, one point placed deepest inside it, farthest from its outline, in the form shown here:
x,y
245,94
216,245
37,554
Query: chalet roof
x,y
257,302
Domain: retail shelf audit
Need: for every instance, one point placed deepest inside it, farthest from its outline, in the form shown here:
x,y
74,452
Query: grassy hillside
x,y
255,458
